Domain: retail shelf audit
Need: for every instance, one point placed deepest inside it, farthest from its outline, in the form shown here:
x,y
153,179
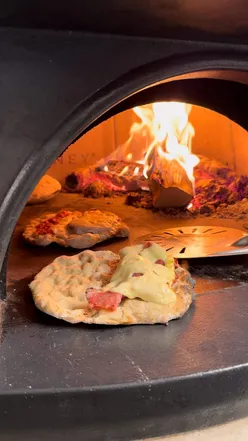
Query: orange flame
x,y
164,129
124,170
170,132
136,171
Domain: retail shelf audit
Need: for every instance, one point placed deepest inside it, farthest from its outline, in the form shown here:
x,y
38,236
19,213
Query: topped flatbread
x,y
141,285
46,189
75,229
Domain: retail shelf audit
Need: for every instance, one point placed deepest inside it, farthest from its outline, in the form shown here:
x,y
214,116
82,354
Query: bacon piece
x,y
104,300
137,274
160,262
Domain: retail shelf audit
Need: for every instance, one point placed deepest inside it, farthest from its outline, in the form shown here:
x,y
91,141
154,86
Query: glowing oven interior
x,y
187,147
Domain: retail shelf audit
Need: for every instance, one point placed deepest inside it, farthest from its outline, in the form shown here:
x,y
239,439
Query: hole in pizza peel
x,y
218,232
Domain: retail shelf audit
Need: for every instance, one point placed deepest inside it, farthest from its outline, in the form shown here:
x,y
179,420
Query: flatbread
x,y
60,291
46,189
75,229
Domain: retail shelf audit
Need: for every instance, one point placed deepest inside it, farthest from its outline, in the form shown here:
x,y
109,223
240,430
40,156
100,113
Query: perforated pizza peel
x,y
200,241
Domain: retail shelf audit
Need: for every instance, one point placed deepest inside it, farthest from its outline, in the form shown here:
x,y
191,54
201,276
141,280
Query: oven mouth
x,y
123,202
112,99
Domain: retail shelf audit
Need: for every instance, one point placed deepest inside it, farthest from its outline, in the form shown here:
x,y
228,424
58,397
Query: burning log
x,y
120,171
115,176
125,169
169,183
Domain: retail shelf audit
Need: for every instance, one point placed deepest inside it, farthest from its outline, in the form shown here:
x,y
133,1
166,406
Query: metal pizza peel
x,y
191,242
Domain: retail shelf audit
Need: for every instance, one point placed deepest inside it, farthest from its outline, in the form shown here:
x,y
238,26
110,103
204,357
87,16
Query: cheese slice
x,y
138,276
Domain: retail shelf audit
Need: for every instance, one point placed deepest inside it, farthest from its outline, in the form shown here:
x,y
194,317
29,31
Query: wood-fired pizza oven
x,y
70,76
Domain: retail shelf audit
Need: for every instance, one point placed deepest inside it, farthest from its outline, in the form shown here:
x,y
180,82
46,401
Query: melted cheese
x,y
154,285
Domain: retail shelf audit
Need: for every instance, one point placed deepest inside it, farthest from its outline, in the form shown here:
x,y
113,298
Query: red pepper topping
x,y
62,213
45,227
104,300
137,274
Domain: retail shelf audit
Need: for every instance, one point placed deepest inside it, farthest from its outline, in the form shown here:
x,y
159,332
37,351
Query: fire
x,y
162,135
170,133
124,170
136,171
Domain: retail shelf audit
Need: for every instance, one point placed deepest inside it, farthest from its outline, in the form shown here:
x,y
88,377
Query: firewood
x,y
115,176
169,183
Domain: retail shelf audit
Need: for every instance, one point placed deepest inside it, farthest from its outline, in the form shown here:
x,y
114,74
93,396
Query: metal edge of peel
x,y
194,242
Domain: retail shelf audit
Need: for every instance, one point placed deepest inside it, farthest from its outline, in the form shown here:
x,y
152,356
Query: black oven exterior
x,y
57,84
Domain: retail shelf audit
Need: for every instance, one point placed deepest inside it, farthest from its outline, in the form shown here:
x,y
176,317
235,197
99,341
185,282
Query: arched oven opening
x,y
119,164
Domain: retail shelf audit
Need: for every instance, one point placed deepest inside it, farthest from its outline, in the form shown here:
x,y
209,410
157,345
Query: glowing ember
x,y
125,170
105,168
170,132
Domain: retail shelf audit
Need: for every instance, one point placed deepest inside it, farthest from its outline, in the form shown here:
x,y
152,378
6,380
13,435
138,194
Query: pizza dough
x,y
75,229
60,290
46,189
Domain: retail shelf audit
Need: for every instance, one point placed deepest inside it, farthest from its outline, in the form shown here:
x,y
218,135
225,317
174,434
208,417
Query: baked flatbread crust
x,y
60,291
77,229
46,189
